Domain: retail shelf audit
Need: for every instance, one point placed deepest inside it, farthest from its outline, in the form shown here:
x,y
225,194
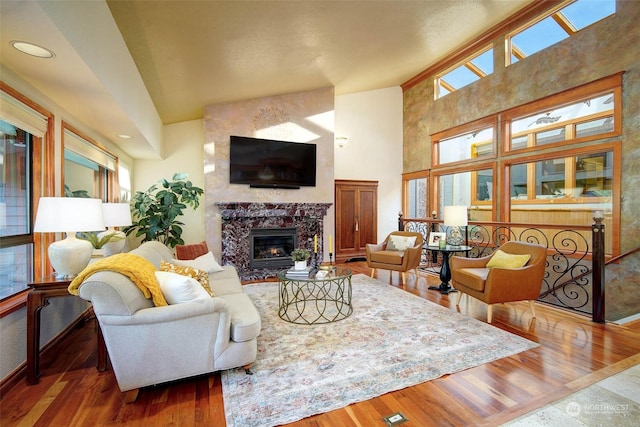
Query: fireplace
x,y
271,247
240,219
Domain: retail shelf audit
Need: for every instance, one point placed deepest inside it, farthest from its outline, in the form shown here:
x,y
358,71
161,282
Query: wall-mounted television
x,y
267,163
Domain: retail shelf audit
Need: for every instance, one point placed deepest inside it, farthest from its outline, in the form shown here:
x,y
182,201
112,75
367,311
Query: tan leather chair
x,y
391,254
498,285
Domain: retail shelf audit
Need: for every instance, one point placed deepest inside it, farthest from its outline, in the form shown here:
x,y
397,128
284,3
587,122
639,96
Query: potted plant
x,y
156,212
99,240
300,258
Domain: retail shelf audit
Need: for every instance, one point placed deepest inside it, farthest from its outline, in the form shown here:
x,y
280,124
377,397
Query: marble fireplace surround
x,y
239,218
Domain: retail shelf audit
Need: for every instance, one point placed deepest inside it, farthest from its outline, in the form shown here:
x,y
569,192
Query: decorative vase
x,y
300,265
99,253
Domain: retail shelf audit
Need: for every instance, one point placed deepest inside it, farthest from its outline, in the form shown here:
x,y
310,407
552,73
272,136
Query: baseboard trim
x,y
20,373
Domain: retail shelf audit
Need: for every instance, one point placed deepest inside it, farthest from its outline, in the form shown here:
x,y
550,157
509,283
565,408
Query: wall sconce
x,y
341,141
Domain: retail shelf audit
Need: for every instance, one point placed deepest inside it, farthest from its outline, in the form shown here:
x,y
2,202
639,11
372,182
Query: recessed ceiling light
x,y
124,136
32,49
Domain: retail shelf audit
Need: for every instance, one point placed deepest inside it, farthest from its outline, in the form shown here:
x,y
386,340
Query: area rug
x,y
392,340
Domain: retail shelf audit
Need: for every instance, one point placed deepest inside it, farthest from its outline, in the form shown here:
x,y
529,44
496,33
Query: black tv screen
x,y
267,163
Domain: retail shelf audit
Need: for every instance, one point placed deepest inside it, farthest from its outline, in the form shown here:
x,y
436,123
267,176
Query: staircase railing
x,y
575,272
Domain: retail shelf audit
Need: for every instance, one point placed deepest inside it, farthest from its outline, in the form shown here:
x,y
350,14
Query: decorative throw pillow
x,y
177,288
200,275
191,251
206,262
502,259
400,243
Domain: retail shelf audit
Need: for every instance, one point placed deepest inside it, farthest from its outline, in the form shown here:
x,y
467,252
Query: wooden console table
x,y
38,297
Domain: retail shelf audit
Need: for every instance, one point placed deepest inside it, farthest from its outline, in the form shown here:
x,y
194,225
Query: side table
x,y
445,272
41,290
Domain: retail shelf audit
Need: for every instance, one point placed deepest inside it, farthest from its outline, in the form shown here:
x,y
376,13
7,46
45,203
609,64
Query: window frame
x,y
42,184
437,138
601,86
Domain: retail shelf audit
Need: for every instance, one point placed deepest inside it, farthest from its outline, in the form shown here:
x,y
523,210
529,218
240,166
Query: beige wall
x,y
182,153
372,121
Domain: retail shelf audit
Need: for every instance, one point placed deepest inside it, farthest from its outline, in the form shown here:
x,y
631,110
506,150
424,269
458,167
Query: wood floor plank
x,y
573,353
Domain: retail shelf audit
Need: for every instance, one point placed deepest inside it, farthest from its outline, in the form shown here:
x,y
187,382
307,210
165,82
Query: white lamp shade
x,y
455,216
68,214
116,214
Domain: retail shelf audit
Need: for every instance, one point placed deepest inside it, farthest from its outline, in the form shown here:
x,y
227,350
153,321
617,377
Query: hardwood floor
x,y
573,353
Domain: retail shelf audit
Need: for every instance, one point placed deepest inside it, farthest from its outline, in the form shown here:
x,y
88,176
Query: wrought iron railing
x,y
574,276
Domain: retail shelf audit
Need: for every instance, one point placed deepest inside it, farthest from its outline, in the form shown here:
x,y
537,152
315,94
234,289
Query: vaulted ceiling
x,y
132,66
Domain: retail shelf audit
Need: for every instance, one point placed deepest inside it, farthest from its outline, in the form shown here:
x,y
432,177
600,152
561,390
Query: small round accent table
x,y
316,299
445,272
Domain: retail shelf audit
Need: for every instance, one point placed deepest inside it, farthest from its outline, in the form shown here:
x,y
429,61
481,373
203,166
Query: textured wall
x,y
299,117
605,48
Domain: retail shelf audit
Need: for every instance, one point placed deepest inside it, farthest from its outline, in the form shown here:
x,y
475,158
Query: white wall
x,y
372,122
183,152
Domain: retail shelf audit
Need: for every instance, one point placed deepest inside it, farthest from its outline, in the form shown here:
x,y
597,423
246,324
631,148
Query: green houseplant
x,y
300,258
156,212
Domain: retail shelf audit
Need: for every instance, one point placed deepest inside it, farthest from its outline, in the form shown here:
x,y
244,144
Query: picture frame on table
x,y
435,237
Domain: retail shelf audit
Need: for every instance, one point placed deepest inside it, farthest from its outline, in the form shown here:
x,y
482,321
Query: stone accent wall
x,y
297,117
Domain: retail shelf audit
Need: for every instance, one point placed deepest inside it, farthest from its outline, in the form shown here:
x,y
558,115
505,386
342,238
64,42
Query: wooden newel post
x,y
598,285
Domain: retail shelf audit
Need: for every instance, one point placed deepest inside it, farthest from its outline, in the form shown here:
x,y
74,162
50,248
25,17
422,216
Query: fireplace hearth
x,y
239,219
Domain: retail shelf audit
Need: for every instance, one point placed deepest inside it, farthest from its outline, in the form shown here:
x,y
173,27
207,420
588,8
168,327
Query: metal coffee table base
x,y
315,301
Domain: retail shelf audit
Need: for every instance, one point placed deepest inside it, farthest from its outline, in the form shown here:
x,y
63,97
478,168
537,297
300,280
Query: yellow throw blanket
x,y
139,270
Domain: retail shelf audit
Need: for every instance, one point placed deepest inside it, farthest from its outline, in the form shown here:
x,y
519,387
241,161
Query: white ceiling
x,y
132,66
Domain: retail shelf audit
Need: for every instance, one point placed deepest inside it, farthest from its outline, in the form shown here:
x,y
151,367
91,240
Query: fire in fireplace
x,y
272,247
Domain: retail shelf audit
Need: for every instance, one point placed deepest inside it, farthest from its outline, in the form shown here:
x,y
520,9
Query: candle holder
x,y
331,259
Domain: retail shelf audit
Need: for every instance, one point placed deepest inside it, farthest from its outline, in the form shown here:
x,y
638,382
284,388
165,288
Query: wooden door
x,y
356,207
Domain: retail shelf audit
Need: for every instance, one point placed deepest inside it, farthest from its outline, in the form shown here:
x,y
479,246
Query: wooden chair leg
x,y
489,313
533,310
130,396
373,272
459,298
403,277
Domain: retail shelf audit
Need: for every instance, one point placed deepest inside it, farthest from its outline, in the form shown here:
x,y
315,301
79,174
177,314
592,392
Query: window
x,y
416,195
16,250
473,141
473,69
89,170
26,165
556,26
589,118
559,161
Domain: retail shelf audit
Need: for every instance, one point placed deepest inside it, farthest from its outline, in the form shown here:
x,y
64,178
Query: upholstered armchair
x,y
400,251
513,273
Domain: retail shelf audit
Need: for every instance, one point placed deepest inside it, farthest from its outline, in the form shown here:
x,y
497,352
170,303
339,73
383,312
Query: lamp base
x,y
69,256
454,238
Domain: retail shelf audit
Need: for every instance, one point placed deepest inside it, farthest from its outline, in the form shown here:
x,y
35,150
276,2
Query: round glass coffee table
x,y
316,299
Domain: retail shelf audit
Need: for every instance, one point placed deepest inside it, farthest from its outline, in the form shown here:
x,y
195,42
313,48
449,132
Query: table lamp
x,y
115,215
455,217
69,215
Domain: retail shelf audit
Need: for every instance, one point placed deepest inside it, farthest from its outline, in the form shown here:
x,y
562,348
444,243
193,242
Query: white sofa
x,y
149,345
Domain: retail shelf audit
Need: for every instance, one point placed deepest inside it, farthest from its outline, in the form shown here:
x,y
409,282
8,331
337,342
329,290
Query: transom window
x,y
556,26
473,69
